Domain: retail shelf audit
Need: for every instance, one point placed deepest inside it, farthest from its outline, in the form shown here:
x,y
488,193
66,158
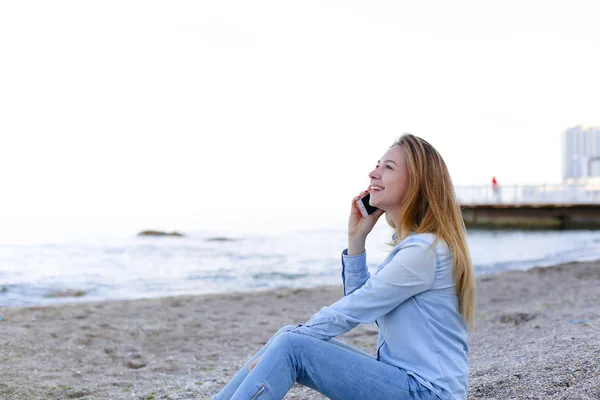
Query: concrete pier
x,y
532,216
574,205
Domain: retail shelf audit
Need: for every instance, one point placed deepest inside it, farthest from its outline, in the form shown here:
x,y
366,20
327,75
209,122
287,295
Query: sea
x,y
88,267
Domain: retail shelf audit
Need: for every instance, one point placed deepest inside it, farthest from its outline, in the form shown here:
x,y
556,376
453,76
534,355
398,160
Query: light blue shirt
x,y
412,298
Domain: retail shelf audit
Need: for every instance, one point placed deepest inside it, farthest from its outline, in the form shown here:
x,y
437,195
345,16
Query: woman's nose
x,y
373,174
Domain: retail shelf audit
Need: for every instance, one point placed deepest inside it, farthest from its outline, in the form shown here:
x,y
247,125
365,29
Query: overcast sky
x,y
205,110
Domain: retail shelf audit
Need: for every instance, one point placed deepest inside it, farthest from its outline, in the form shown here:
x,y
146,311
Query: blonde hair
x,y
430,206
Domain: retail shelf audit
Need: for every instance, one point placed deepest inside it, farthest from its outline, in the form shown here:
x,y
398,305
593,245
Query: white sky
x,y
223,109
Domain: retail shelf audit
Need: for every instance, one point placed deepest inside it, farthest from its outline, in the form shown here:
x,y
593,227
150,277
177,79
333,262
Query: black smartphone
x,y
365,208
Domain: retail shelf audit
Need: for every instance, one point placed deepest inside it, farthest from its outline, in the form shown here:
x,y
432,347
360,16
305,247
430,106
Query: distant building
x,y
581,153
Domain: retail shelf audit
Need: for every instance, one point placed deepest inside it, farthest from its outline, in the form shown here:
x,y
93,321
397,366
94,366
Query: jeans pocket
x,y
418,390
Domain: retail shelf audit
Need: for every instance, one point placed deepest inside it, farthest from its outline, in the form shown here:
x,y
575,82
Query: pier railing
x,y
557,194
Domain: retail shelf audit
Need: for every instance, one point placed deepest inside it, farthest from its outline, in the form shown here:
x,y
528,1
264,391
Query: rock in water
x,y
159,233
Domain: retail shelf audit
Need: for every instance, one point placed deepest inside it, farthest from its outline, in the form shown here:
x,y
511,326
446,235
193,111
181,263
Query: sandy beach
x,y
537,336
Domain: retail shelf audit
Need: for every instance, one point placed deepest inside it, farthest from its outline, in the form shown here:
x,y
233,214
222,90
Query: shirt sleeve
x,y
410,272
354,271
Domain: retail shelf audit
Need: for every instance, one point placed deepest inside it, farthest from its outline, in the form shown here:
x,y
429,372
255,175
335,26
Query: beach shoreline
x,y
536,337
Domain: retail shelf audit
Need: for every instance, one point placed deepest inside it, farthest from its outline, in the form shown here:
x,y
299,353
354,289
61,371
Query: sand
x,y
537,336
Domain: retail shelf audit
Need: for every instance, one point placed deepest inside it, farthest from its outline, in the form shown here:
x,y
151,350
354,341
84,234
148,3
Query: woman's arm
x,y
354,271
354,259
410,272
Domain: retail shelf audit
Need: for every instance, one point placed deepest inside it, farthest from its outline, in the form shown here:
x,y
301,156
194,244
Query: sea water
x,y
109,267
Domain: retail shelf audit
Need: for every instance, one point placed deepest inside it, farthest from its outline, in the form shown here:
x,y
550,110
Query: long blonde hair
x,y
430,205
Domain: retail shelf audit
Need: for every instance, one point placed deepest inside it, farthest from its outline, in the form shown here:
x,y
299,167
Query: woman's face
x,y
389,180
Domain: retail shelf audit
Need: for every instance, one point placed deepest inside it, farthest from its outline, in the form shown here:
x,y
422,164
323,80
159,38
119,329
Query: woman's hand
x,y
253,363
358,226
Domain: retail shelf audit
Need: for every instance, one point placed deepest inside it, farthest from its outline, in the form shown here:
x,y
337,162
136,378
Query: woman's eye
x,y
388,167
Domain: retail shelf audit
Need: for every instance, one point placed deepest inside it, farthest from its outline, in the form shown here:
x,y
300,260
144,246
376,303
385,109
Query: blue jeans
x,y
333,368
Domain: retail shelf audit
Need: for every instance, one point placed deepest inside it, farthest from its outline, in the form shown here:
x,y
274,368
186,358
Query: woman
x,y
421,297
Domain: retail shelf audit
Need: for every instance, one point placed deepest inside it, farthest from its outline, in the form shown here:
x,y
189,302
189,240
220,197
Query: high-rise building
x,y
581,153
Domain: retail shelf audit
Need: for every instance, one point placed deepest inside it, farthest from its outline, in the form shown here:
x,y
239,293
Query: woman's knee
x,y
295,341
286,328
282,340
